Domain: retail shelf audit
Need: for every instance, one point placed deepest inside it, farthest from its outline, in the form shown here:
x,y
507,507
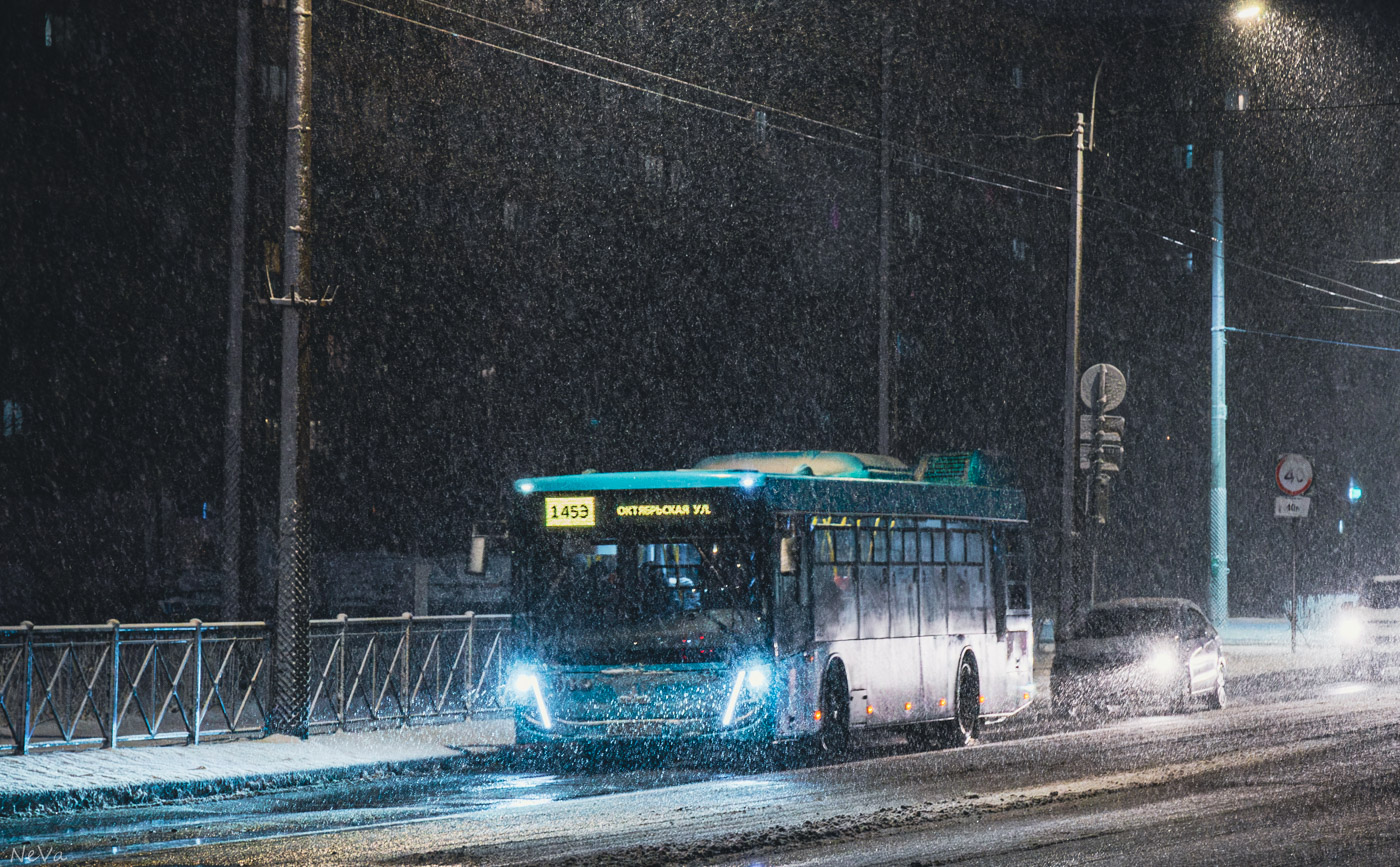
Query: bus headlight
x,y
752,678
758,678
525,682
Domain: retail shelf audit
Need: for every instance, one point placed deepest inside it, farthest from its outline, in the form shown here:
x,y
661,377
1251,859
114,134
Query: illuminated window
x,y
12,419
680,176
57,30
1021,251
1237,100
273,79
655,168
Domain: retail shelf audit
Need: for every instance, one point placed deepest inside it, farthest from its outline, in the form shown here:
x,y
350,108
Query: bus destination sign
x,y
570,512
573,512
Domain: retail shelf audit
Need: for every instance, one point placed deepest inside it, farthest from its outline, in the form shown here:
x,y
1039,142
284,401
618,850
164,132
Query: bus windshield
x,y
639,595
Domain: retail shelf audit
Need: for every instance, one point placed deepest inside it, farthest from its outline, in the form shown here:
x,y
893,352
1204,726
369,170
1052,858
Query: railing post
x,y
26,728
470,680
404,679
198,679
344,637
115,707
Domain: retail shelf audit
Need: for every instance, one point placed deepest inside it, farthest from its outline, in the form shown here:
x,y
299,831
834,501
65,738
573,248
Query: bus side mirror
x,y
788,556
477,563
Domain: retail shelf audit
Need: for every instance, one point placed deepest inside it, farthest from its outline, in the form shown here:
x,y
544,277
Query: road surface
x,y
1306,773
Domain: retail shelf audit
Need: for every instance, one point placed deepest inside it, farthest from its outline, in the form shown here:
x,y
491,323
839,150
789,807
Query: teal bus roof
x,y
836,482
645,479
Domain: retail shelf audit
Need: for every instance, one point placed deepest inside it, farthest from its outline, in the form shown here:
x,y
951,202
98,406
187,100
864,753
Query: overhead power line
x,y
1312,339
1046,190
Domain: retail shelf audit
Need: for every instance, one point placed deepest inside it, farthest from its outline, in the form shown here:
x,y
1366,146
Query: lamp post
x,y
1218,596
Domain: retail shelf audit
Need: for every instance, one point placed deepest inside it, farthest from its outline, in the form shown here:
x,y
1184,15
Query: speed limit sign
x,y
1294,475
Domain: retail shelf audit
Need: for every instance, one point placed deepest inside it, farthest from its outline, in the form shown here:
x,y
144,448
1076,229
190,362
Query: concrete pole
x,y
238,233
886,57
1069,590
291,638
1218,601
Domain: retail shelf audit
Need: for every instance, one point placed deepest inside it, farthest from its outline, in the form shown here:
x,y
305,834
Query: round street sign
x,y
1294,475
1106,380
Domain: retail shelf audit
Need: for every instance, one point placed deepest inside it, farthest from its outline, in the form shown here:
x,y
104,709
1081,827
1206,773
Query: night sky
x,y
545,260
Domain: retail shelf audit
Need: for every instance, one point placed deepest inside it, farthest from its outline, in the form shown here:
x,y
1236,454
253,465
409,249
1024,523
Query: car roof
x,y
1161,603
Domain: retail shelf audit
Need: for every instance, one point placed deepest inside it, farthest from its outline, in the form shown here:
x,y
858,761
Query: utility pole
x,y
886,61
233,415
1219,598
1069,589
291,638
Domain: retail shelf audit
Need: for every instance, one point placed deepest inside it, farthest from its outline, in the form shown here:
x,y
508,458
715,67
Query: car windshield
x,y
1120,622
1381,594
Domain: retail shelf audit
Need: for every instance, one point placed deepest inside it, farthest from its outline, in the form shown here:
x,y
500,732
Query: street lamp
x,y
1251,12
1247,14
1218,598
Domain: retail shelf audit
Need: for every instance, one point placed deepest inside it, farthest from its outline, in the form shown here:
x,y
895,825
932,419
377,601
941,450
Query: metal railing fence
x,y
150,682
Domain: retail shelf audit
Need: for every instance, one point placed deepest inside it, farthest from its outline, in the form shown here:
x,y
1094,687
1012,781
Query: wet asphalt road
x,y
1032,791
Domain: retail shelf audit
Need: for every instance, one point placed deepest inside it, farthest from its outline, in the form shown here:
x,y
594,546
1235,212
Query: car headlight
x,y
1163,661
1350,630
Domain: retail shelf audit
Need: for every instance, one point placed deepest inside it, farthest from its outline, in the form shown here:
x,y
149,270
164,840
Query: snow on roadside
x,y
42,777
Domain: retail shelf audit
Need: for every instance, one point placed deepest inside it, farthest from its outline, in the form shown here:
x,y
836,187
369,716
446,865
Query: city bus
x,y
794,597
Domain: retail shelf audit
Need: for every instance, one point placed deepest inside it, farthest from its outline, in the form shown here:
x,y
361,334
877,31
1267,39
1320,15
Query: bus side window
x,y
873,584
972,546
788,579
1018,588
933,582
904,583
833,584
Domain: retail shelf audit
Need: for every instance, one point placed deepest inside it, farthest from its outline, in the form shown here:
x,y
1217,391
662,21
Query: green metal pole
x,y
1218,604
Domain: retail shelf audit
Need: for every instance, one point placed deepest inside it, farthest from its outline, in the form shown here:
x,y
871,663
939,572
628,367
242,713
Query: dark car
x,y
1139,653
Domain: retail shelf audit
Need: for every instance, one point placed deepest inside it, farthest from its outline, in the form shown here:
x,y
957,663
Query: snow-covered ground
x,y
91,777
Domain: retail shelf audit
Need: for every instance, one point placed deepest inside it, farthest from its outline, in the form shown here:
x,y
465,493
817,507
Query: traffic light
x,y
1108,444
1106,459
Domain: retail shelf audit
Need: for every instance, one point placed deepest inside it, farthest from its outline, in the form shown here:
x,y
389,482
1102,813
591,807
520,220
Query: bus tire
x,y
967,707
834,735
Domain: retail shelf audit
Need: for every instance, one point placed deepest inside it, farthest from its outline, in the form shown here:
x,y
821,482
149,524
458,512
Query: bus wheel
x,y
834,735
967,707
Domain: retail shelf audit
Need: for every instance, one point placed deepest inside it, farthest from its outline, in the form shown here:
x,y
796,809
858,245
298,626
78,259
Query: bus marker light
x,y
870,708
908,706
943,702
817,715
1025,696
981,699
